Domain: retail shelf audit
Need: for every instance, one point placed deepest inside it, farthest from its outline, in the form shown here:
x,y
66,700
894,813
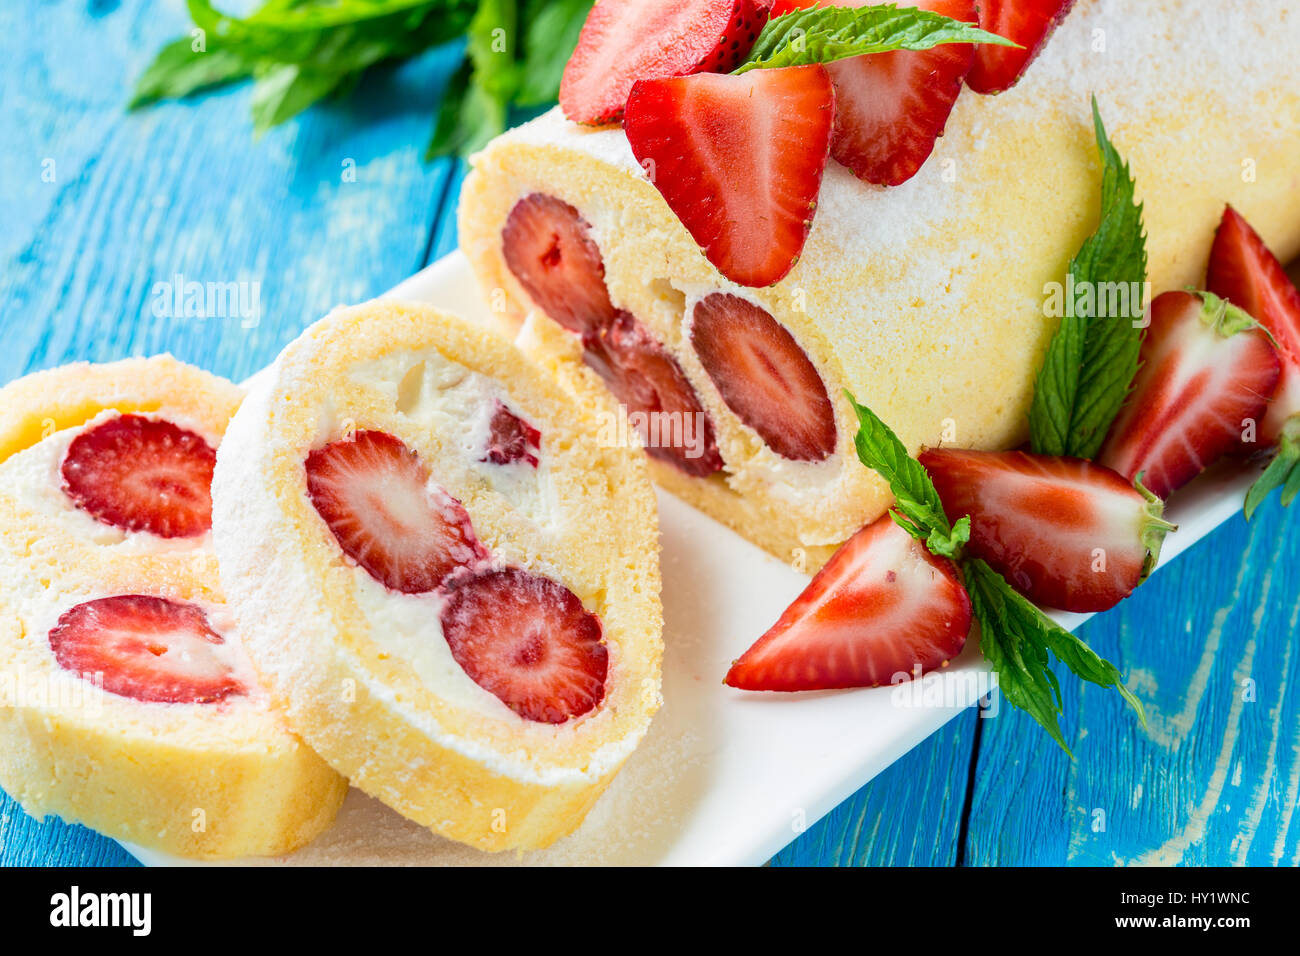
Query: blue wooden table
x,y
97,208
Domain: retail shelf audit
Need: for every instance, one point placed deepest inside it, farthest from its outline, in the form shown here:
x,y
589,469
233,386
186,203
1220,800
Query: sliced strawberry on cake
x,y
548,248
378,500
628,40
1029,23
529,641
1206,375
146,648
142,474
764,376
739,160
891,108
882,606
1064,532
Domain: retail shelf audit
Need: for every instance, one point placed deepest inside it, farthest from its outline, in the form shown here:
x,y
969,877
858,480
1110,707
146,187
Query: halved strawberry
x,y
529,641
890,108
628,40
146,648
1207,369
660,402
375,495
1064,532
739,159
1027,22
882,606
142,474
1244,271
511,439
548,247
764,376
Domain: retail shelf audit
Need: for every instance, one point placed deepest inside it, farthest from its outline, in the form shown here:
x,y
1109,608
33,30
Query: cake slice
x,y
450,583
130,705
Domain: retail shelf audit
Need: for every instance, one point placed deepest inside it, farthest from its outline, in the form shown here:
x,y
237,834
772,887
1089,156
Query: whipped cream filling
x,y
445,399
33,479
40,610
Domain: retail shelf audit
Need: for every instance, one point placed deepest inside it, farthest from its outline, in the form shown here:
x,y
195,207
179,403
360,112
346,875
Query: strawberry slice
x,y
764,376
659,399
527,640
146,648
376,497
1064,532
511,439
739,159
891,108
1207,369
548,247
1244,271
142,474
1027,22
628,40
883,605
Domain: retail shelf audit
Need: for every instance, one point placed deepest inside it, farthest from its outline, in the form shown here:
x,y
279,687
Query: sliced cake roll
x,y
130,704
932,301
450,583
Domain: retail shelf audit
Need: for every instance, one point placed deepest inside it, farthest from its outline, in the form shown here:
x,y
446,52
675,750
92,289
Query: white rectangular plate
x,y
723,777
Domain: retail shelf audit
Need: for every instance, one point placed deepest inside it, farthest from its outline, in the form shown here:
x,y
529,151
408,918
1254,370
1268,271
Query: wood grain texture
x,y
183,189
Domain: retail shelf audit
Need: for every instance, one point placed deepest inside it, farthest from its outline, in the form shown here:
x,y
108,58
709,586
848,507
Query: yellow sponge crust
x,y
484,777
42,403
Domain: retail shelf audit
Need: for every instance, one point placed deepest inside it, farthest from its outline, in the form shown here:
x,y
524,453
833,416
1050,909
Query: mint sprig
x,y
1018,640
826,34
1091,360
299,52
917,507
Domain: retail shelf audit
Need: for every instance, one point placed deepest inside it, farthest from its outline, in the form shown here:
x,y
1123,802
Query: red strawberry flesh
x,y
548,247
739,160
882,606
764,376
624,41
376,496
1027,22
527,640
142,475
1064,532
647,380
1197,387
891,108
511,439
1244,271
146,648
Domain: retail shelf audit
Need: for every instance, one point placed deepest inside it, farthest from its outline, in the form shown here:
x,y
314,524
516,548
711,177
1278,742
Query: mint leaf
x,y
286,89
468,118
826,34
179,70
1092,358
1282,472
1013,642
1017,639
551,29
917,507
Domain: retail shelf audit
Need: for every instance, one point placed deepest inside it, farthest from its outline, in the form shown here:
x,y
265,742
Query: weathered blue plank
x,y
910,815
1209,644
